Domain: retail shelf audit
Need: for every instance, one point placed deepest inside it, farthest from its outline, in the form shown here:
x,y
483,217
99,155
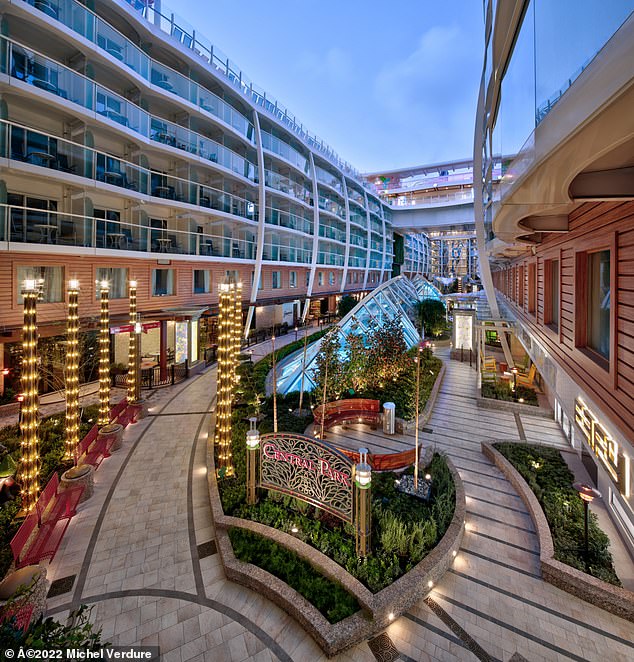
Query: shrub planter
x,y
113,433
376,608
519,407
616,600
83,474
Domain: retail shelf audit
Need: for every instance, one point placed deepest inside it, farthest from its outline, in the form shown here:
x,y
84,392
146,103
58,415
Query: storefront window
x,y
162,282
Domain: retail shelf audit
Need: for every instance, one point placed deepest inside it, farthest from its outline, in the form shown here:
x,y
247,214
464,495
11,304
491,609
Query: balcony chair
x,y
527,380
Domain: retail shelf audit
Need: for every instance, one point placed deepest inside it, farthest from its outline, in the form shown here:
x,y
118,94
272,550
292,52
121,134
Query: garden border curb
x,y
376,609
616,600
503,405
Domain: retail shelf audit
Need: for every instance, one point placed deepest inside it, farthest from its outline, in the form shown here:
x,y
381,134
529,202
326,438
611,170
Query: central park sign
x,y
308,469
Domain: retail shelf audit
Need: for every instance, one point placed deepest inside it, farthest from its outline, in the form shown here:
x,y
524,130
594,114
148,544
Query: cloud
x,y
334,66
431,93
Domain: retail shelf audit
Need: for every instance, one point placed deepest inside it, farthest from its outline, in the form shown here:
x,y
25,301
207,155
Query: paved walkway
x,y
141,550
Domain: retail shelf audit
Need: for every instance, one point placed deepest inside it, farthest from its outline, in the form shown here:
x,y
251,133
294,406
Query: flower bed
x,y
550,479
502,391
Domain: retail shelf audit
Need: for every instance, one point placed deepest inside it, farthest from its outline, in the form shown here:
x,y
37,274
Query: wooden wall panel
x,y
593,226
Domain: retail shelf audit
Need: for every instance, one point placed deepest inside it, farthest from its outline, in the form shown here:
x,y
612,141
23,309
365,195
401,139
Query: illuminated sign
x,y
604,447
308,469
463,329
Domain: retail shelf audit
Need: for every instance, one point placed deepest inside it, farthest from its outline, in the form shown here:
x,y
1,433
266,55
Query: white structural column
x,y
261,224
313,264
369,233
344,275
478,214
384,244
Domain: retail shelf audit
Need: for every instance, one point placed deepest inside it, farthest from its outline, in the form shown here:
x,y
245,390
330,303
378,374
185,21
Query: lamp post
x,y
362,501
587,494
253,445
274,384
301,389
418,359
29,468
72,372
514,372
104,355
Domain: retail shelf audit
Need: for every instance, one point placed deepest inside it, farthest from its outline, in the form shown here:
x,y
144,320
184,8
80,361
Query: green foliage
x,y
345,305
332,600
503,391
52,635
330,369
549,477
431,316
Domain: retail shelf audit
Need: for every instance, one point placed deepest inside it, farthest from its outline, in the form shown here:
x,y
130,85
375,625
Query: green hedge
x,y
503,391
548,475
332,600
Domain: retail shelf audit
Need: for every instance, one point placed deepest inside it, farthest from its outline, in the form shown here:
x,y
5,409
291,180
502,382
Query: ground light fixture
x,y
71,372
253,445
588,494
362,501
28,475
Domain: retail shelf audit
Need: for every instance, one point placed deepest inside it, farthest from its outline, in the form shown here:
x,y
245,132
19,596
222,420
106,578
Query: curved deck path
x,y
141,552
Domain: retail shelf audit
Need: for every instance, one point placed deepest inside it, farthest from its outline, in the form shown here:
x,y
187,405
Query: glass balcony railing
x,y
78,18
359,219
288,186
356,261
358,240
37,226
374,206
431,199
46,74
279,253
328,179
24,144
331,258
355,196
286,219
277,146
180,137
333,207
332,233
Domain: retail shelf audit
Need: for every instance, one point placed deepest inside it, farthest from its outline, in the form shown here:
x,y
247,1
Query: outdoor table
x,y
116,239
47,232
41,158
164,243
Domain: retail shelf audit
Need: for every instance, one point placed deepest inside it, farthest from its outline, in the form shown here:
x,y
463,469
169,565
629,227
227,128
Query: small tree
x,y
356,360
386,356
431,316
329,355
345,305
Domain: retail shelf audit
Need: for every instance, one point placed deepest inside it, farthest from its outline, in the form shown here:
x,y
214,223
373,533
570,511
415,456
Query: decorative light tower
x,y
134,394
237,325
253,445
362,503
72,371
104,355
28,476
226,379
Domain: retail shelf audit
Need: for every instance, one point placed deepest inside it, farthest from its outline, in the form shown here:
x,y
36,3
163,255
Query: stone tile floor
x,y
134,550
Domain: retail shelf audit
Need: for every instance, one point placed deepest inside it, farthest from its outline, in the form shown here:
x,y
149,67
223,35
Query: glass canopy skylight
x,y
394,299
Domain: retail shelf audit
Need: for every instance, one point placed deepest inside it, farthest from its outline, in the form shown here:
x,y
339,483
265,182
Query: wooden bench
x,y
388,462
40,535
358,410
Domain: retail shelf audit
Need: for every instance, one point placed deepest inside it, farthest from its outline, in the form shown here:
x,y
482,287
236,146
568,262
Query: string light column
x,y
133,383
226,373
237,326
28,476
104,355
71,377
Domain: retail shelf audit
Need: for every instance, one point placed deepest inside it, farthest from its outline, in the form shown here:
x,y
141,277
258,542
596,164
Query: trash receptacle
x,y
389,418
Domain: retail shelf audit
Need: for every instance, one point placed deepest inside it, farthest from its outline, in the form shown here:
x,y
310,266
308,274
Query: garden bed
x,y
557,513
504,401
413,542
